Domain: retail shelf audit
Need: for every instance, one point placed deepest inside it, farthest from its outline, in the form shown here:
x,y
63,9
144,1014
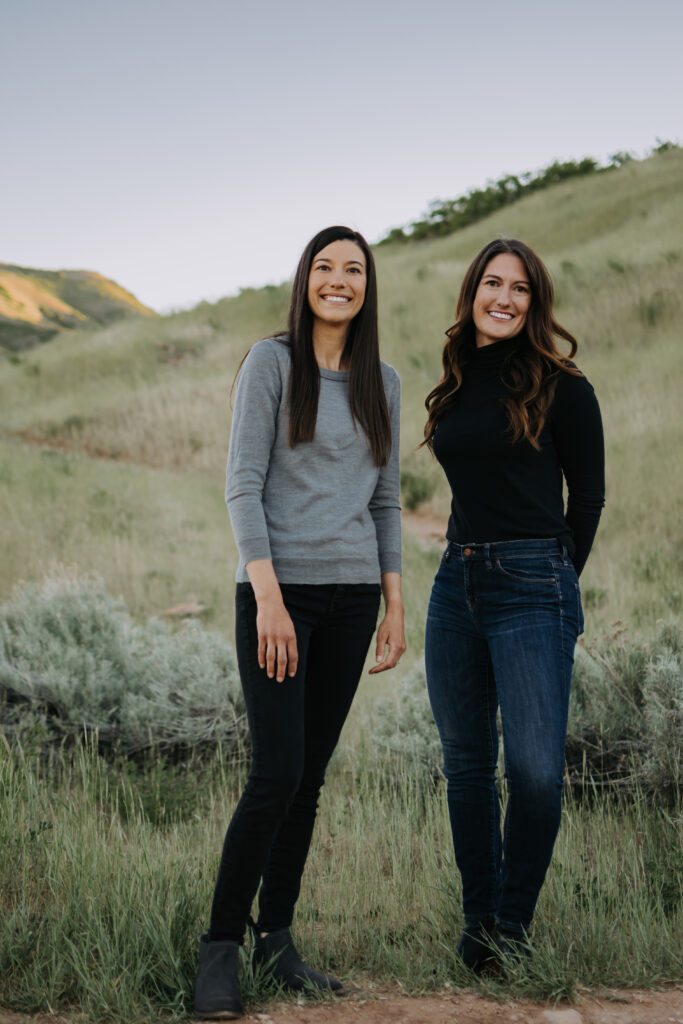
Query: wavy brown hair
x,y
530,372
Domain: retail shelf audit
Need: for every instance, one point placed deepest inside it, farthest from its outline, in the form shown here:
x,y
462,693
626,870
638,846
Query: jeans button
x,y
468,551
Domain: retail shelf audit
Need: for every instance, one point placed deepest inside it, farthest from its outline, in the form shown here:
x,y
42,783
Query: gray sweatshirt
x,y
322,511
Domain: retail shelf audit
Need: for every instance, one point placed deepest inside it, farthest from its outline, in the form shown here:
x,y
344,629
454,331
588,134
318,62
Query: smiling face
x,y
502,300
336,283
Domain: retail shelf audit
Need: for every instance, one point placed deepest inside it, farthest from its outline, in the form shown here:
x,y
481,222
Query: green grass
x,y
156,537
104,897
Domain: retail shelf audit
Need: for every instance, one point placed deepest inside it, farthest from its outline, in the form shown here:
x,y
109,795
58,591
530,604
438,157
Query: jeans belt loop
x,y
565,555
487,554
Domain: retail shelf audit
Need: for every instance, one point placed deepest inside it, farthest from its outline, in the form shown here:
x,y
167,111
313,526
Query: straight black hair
x,y
361,354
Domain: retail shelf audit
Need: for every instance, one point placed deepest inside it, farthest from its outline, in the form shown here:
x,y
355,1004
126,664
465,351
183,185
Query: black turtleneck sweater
x,y
506,491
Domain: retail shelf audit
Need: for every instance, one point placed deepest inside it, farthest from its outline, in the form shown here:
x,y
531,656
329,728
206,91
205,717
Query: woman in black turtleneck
x,y
510,419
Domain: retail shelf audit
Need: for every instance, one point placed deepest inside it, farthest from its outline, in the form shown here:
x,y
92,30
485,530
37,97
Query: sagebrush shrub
x,y
405,726
626,713
72,661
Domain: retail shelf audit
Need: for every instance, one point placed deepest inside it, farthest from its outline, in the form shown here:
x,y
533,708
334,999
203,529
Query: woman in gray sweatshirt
x,y
313,495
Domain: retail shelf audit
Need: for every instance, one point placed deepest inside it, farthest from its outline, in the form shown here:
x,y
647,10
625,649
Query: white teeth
x,y
500,316
336,298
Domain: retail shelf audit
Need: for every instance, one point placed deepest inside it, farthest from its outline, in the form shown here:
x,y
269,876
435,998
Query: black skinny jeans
x,y
294,728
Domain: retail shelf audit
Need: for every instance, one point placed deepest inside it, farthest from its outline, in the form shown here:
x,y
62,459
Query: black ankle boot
x,y
277,953
512,948
216,988
475,946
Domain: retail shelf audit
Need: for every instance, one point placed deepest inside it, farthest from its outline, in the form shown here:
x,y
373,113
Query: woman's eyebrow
x,y
496,277
324,259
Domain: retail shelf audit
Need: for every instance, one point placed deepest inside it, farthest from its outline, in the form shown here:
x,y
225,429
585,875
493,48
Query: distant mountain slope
x,y
36,305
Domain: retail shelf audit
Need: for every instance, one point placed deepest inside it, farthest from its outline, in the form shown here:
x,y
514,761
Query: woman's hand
x,y
391,641
277,648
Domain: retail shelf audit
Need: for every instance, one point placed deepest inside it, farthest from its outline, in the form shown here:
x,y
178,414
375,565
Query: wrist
x,y
268,598
391,590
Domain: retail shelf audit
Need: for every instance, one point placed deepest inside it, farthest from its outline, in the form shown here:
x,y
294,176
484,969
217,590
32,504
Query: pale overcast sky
x,y
188,149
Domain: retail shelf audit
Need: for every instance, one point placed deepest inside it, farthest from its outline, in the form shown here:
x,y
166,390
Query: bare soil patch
x,y
622,1007
430,530
67,446
625,1006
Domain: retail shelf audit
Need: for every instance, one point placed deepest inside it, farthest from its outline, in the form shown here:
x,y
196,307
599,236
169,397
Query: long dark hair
x,y
531,371
361,354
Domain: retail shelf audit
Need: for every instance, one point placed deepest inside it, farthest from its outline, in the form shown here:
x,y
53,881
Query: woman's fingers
x,y
271,652
277,648
394,654
390,645
292,655
287,657
382,640
391,658
281,657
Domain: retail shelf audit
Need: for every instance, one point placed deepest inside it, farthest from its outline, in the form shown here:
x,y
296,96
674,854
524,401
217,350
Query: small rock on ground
x,y
561,1017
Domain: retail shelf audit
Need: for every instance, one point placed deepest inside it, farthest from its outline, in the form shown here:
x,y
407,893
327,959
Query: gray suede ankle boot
x,y
216,988
277,953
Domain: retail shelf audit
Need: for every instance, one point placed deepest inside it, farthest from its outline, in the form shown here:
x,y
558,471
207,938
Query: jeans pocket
x,y
579,608
443,564
527,570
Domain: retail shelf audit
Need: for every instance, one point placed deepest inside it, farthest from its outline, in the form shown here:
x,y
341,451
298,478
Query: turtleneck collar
x,y
491,357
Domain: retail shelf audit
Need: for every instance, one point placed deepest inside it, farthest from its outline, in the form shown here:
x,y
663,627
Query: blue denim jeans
x,y
502,625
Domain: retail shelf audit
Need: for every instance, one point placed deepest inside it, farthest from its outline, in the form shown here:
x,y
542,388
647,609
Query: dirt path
x,y
626,1006
429,530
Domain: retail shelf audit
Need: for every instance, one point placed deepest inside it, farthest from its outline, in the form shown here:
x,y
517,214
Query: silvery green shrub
x,y
405,726
73,661
626,712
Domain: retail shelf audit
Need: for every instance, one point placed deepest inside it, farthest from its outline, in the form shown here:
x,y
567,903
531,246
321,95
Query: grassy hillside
x,y
37,305
112,446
